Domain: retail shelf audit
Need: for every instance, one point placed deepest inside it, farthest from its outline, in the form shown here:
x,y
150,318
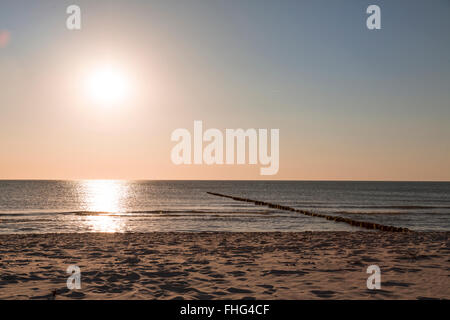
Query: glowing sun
x,y
108,86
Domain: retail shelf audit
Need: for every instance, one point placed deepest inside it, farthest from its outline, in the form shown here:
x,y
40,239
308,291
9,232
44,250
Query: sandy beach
x,y
307,265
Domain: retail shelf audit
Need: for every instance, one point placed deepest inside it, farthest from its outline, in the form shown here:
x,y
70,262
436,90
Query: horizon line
x,y
231,180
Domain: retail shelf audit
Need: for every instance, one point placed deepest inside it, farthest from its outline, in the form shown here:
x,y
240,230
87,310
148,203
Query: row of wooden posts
x,y
362,224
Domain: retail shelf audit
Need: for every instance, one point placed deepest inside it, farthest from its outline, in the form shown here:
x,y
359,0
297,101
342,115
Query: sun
x,y
107,86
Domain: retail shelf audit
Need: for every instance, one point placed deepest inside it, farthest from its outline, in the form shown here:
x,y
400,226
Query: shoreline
x,y
226,265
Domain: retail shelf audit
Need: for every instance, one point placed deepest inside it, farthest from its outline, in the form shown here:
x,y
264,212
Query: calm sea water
x,y
145,206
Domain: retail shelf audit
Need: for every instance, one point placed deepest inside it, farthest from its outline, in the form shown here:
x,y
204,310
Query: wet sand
x,y
307,265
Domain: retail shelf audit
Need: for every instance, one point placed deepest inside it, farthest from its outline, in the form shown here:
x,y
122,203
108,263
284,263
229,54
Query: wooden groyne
x,y
362,224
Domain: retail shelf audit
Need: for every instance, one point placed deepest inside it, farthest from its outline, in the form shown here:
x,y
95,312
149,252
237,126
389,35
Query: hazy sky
x,y
350,103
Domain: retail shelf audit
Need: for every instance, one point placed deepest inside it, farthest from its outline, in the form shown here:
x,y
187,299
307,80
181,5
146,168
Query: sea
x,y
35,206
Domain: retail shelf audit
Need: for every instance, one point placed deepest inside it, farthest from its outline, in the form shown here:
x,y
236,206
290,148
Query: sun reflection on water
x,y
103,223
104,198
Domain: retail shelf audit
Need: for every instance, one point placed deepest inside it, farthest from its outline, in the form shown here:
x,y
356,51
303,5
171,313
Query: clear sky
x,y
350,103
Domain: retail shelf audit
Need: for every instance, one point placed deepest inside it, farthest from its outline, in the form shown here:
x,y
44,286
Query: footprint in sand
x,y
237,290
396,284
75,295
323,293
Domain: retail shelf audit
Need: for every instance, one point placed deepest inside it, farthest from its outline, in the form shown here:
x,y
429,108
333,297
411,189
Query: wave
x,y
246,210
137,213
373,212
409,207
402,207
